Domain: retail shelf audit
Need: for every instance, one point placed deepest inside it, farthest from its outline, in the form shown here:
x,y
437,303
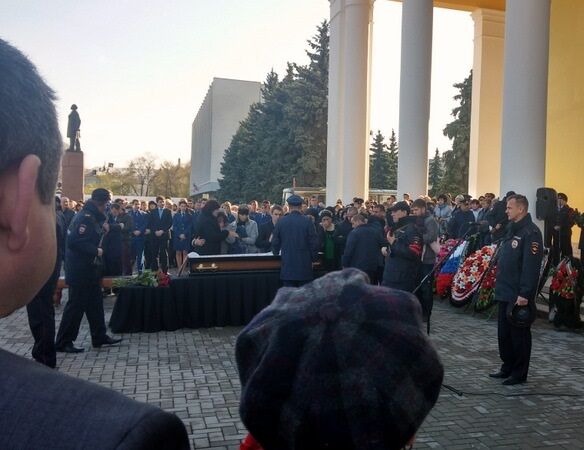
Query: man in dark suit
x,y
264,240
42,408
559,230
159,223
295,238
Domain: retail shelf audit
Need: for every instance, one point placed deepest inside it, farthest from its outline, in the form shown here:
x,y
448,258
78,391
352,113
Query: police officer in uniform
x,y
295,238
518,270
83,277
404,255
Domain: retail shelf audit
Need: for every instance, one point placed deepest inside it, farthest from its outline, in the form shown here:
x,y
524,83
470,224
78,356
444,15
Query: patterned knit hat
x,y
337,364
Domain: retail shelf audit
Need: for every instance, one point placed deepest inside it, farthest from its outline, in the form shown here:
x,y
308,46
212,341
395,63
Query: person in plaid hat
x,y
337,364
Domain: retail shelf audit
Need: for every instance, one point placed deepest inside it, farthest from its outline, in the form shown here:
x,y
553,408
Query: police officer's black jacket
x,y
83,238
519,261
404,259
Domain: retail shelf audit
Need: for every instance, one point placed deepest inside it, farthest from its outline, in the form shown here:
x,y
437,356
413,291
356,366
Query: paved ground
x,y
192,373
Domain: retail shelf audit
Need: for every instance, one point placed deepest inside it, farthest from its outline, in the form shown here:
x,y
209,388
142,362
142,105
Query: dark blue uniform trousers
x,y
41,319
86,299
514,345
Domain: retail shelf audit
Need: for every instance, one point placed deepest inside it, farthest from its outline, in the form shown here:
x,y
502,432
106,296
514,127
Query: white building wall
x,y
226,104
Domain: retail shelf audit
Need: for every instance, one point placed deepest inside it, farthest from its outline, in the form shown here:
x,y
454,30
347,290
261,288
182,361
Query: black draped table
x,y
212,300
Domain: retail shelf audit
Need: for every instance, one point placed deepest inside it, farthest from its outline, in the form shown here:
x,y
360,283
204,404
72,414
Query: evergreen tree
x,y
393,157
435,173
455,178
378,163
284,136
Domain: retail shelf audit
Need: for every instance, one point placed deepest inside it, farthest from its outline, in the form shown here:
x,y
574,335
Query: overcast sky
x,y
139,70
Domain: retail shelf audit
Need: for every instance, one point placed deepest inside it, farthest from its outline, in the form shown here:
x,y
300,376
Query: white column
x,y
523,142
487,99
355,88
414,98
334,150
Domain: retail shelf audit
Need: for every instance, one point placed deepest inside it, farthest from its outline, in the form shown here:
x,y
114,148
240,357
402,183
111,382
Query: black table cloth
x,y
194,302
144,309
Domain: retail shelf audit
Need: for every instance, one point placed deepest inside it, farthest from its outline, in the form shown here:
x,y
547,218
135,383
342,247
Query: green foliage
x,y
435,174
147,278
455,161
378,163
283,136
393,157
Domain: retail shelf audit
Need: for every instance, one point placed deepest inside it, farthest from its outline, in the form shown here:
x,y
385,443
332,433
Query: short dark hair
x,y
520,200
28,120
115,206
209,207
443,197
380,206
243,210
562,196
475,201
419,203
159,198
277,208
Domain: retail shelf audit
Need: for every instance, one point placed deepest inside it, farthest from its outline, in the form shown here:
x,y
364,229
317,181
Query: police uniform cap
x,y
101,195
295,200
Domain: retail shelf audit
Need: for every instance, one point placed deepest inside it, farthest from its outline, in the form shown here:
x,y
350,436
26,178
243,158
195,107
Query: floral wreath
x,y
564,280
470,274
486,293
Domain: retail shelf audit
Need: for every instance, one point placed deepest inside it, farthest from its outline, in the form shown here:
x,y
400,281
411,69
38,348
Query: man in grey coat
x,y
429,238
295,239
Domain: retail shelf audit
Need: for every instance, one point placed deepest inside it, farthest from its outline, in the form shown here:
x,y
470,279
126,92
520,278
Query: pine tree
x,y
393,157
455,178
435,173
284,136
378,163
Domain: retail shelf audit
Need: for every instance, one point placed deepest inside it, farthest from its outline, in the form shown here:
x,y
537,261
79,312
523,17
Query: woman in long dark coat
x,y
208,235
182,224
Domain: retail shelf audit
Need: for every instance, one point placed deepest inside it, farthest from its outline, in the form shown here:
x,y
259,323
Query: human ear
x,y
23,198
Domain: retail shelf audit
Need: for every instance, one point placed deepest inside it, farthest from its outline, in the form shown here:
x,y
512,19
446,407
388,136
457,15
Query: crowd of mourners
x,y
159,234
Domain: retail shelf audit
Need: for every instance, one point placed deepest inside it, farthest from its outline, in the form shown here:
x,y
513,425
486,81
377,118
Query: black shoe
x,y
513,381
106,341
499,375
69,348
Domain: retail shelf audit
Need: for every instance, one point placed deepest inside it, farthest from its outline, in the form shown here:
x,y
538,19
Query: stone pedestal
x,y
72,175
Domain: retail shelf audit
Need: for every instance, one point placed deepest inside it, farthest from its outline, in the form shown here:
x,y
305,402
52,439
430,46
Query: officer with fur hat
x,y
295,239
83,275
337,364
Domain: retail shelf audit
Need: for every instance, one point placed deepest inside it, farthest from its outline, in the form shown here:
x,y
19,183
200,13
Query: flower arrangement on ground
x,y
564,280
486,293
470,274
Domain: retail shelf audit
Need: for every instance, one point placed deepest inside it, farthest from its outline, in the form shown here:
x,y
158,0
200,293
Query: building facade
x,y
226,104
527,124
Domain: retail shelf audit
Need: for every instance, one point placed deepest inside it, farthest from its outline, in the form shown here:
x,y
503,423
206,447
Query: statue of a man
x,y
73,130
